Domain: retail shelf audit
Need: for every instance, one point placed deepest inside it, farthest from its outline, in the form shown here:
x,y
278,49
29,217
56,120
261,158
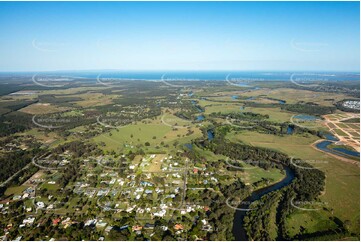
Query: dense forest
x,y
309,108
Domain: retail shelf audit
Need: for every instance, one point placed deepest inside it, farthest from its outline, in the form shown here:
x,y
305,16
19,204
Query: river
x,y
330,139
238,230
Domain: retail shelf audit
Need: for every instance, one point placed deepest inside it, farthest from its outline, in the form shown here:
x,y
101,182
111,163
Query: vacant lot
x,y
42,108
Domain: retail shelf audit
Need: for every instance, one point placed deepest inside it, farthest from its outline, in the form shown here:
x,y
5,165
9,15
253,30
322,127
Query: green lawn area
x,y
140,133
18,190
310,221
275,114
223,108
309,124
274,141
170,119
253,174
50,187
341,146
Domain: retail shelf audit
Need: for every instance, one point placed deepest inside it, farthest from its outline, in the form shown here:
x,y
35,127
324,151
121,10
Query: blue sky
x,y
179,36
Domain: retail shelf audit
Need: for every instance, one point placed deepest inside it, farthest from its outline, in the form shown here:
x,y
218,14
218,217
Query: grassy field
x,y
253,174
155,132
279,142
275,114
342,125
51,139
340,132
223,108
39,135
311,222
342,192
172,120
74,90
293,95
18,190
42,108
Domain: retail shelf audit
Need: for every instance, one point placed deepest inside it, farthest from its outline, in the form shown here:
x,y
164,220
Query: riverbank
x,y
344,159
238,229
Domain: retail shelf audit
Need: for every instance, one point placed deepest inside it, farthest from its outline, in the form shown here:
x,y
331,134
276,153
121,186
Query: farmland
x,y
101,159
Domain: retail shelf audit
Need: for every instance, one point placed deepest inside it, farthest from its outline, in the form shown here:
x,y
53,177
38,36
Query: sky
x,y
278,36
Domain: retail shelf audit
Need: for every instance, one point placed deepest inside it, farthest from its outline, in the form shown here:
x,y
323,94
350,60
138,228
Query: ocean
x,y
202,75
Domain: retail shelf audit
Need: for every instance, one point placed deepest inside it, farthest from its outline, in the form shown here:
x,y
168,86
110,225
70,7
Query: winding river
x,y
238,230
330,139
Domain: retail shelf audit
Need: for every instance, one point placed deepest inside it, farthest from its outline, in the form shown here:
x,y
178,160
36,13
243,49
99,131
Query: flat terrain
x,y
347,133
144,153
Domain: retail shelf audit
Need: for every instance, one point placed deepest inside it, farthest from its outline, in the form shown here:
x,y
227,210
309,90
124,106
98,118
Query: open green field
x,y
340,132
294,95
253,174
278,142
342,125
42,108
275,114
172,120
309,222
354,126
223,108
342,192
17,190
51,138
73,90
156,133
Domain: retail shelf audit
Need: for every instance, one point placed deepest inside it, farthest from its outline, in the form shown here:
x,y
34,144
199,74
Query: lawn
x,y
253,174
274,141
309,221
275,114
155,132
18,190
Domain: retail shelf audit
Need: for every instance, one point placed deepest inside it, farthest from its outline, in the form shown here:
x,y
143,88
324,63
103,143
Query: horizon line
x,y
177,70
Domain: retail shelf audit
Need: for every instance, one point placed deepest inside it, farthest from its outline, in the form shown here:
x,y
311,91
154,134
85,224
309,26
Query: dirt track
x,y
337,123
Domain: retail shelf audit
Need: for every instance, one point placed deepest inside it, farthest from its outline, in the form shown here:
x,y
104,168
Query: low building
x,y
137,228
178,227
